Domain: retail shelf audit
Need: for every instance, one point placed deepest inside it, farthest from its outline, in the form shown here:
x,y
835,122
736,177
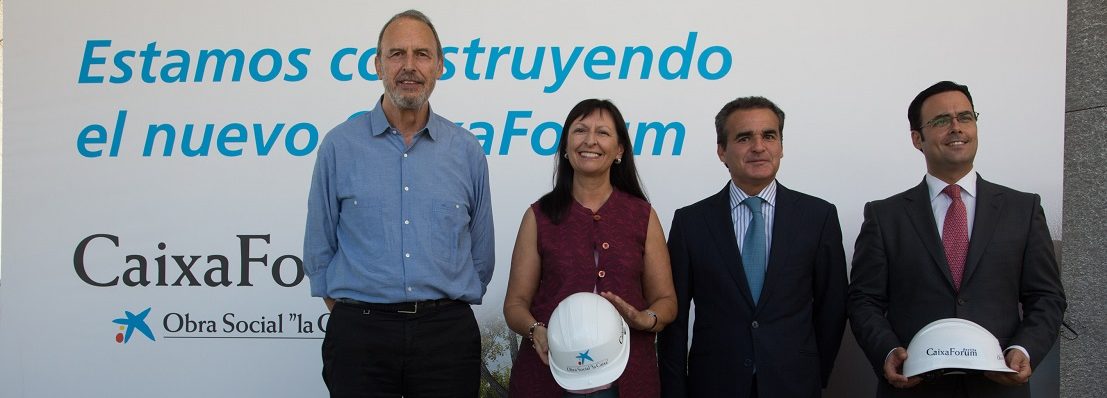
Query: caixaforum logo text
x,y
132,322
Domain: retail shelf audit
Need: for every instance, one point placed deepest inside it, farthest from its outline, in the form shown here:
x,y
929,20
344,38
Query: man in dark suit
x,y
766,269
954,246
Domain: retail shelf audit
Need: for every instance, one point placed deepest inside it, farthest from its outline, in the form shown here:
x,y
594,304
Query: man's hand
x,y
893,370
329,302
1018,362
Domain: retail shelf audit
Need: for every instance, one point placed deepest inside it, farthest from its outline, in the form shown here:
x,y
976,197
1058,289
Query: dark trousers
x,y
955,386
433,353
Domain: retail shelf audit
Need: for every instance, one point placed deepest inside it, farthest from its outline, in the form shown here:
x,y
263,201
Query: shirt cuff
x,y
1017,347
318,283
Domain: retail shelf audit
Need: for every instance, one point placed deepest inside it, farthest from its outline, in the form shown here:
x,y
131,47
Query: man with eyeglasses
x,y
954,246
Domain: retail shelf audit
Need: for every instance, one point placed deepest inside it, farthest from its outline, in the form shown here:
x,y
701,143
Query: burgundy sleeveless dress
x,y
617,233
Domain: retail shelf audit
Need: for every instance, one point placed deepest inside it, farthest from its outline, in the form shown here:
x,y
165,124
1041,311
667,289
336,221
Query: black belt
x,y
413,307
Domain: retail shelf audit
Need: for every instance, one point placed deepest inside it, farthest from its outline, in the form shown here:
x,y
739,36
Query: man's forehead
x,y
946,102
404,30
752,130
745,117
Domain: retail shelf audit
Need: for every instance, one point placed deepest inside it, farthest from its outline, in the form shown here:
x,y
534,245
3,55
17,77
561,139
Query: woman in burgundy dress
x,y
595,232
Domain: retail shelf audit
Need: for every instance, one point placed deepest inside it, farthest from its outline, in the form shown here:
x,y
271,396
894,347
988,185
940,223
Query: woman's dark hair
x,y
624,176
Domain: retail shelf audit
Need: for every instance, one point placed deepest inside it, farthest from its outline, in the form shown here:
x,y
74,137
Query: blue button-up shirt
x,y
390,223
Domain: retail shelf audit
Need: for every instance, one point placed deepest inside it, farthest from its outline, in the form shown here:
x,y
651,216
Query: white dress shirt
x,y
740,214
939,202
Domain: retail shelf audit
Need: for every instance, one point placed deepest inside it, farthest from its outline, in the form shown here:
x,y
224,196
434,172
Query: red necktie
x,y
955,234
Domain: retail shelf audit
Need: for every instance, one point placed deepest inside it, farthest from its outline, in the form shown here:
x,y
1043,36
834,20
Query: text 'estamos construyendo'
x,y
165,269
544,68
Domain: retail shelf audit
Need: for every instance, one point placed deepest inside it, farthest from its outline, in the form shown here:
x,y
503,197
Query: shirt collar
x,y
378,123
967,184
737,195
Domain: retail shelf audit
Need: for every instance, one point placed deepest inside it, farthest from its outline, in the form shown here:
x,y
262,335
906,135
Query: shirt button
x,y
457,206
755,325
406,188
605,246
406,222
355,203
596,217
408,255
409,288
405,155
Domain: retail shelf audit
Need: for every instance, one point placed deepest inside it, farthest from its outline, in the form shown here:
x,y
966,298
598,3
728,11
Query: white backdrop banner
x,y
158,154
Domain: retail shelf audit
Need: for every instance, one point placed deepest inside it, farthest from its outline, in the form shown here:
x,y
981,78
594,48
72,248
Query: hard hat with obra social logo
x,y
589,342
954,345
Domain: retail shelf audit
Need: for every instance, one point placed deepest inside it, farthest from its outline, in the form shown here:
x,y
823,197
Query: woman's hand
x,y
540,344
638,320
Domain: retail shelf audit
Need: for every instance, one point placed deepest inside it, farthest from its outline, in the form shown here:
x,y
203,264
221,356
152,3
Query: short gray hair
x,y
418,16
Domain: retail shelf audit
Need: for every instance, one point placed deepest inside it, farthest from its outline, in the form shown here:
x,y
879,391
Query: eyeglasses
x,y
945,120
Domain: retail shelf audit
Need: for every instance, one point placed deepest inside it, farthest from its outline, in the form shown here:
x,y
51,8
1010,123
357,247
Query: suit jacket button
x,y
755,324
748,363
961,301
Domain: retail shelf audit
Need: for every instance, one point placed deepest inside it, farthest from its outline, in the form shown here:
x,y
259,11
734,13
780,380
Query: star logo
x,y
128,325
584,357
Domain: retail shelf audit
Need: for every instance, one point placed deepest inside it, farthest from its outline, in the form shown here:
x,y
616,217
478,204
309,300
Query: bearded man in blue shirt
x,y
399,238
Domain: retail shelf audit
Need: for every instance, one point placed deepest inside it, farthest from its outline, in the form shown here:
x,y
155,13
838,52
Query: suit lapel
x,y
989,203
721,228
784,225
922,218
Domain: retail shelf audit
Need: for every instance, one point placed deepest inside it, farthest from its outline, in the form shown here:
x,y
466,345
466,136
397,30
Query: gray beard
x,y
407,103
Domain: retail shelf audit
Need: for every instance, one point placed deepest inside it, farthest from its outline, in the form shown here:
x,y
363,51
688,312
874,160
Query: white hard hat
x,y
589,342
954,345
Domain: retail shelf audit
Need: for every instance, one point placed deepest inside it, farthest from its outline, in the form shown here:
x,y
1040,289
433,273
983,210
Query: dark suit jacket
x,y
790,337
901,281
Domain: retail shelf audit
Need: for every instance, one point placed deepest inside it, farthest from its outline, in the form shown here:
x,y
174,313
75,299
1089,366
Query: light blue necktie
x,y
754,247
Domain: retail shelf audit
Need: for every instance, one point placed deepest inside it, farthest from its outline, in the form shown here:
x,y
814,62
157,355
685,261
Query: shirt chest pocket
x,y
449,229
363,220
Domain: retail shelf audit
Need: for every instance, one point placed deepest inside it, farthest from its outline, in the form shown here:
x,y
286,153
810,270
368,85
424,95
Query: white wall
x,y
843,71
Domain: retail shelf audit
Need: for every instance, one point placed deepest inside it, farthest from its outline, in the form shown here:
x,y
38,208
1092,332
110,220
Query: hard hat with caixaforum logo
x,y
589,342
953,345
